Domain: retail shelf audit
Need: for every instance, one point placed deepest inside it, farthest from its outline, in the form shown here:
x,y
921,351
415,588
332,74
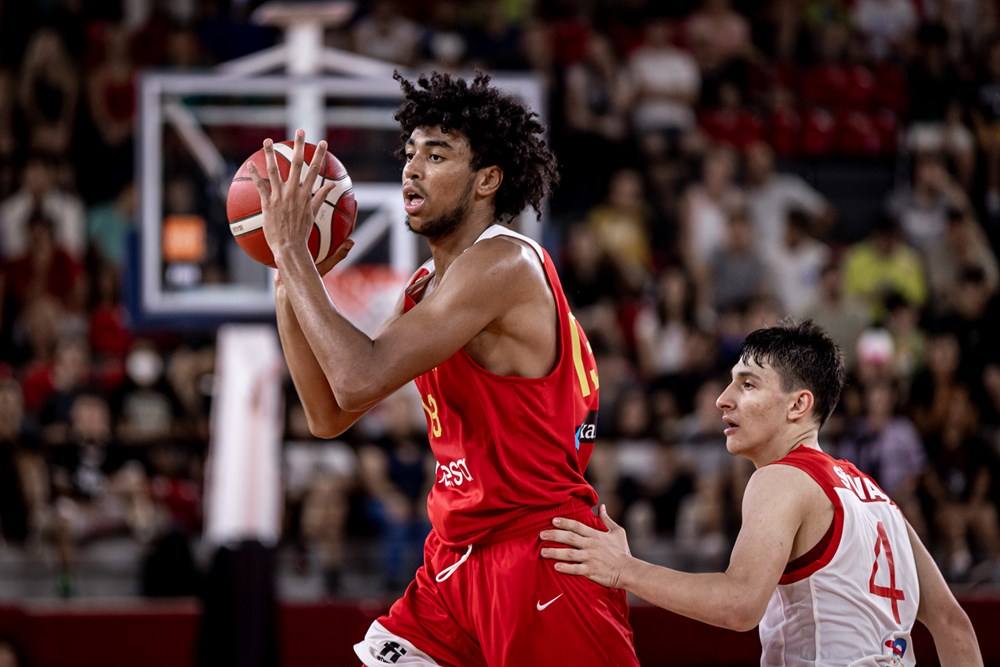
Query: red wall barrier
x,y
164,634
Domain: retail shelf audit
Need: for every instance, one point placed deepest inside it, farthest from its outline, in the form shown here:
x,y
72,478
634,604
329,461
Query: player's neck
x,y
445,249
779,448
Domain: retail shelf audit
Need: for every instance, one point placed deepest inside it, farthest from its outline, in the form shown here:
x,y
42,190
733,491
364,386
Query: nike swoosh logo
x,y
542,607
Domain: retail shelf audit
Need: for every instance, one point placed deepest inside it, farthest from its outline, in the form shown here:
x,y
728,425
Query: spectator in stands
x,y
720,40
773,196
23,479
34,335
935,92
596,112
184,51
986,113
701,520
44,269
705,211
908,339
935,385
39,196
663,326
444,45
108,225
111,101
48,92
496,43
964,247
8,656
885,444
397,472
101,490
922,207
144,404
386,34
882,263
189,372
71,375
971,315
621,226
959,482
8,142
637,456
842,315
592,283
737,272
886,24
665,84
795,266
731,122
108,330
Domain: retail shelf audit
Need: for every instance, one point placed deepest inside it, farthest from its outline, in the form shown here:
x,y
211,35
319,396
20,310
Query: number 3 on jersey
x,y
431,408
891,592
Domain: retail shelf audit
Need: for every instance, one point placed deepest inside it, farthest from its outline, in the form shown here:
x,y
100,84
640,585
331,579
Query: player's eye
x,y
435,157
747,384
409,156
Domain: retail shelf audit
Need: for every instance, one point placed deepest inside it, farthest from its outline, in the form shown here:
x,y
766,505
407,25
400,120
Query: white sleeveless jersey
x,y
852,599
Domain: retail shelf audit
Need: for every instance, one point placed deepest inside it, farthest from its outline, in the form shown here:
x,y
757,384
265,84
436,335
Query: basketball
x,y
333,223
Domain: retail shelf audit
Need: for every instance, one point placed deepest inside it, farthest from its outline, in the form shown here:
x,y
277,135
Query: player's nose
x,y
412,170
725,401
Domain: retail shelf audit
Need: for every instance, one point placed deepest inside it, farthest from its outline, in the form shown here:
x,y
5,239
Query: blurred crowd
x,y
690,135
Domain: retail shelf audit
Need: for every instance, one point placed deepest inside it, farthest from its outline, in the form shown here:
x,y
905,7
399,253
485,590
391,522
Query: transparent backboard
x,y
196,130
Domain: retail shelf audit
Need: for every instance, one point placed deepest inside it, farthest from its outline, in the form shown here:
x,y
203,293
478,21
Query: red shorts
x,y
502,605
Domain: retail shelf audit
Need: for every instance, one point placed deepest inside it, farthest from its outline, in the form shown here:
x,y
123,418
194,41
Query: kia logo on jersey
x,y
587,431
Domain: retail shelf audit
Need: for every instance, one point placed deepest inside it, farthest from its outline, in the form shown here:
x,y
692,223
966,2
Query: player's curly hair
x,y
501,131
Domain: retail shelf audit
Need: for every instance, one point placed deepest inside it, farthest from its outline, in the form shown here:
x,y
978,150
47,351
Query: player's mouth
x,y
731,426
413,200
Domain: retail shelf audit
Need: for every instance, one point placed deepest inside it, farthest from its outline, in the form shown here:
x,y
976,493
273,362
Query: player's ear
x,y
488,180
802,405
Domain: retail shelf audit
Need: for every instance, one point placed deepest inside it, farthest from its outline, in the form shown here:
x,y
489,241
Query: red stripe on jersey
x,y
818,465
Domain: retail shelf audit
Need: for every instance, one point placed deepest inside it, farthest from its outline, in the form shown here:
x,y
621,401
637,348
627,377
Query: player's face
x,y
754,408
437,181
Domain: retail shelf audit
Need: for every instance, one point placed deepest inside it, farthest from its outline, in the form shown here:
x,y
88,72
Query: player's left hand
x,y
289,207
600,556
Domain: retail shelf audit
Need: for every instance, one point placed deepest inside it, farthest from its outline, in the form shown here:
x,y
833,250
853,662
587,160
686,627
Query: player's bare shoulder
x,y
791,483
794,488
523,337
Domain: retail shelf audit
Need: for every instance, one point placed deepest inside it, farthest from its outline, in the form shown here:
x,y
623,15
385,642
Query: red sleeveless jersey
x,y
508,448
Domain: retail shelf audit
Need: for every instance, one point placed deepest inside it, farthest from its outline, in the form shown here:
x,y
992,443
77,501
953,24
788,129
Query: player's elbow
x,y
324,430
357,396
741,620
742,615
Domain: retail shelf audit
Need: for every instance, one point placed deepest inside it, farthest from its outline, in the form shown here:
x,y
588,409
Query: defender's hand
x,y
289,207
600,556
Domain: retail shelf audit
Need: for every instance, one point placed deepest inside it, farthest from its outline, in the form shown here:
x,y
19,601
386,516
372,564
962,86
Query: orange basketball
x,y
333,223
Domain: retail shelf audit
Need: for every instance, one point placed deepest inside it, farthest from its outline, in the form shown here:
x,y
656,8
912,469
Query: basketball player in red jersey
x,y
506,377
825,563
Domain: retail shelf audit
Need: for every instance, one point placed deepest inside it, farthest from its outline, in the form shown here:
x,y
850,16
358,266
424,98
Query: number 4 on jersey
x,y
891,592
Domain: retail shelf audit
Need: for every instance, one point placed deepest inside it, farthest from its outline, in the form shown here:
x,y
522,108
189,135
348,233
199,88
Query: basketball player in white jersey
x,y
825,562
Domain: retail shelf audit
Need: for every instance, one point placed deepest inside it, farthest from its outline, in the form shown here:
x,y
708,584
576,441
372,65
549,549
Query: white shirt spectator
x,y
387,36
795,273
667,82
885,23
63,209
771,202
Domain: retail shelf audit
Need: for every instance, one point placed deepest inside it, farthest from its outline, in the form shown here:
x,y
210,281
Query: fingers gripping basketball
x,y
333,222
